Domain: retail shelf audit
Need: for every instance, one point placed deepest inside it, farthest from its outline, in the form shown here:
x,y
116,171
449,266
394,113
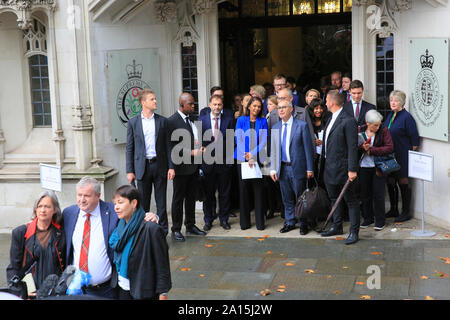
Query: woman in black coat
x,y
39,244
141,253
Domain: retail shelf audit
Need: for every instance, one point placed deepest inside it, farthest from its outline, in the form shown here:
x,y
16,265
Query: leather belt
x,y
152,160
286,163
99,286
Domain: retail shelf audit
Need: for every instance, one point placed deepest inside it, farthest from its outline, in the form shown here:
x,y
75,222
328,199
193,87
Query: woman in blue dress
x,y
403,129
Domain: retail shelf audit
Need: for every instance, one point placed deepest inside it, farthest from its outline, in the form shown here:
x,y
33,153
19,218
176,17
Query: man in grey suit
x,y
340,163
298,113
291,161
148,155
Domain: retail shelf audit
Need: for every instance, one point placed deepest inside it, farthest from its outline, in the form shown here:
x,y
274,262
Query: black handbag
x,y
387,163
313,203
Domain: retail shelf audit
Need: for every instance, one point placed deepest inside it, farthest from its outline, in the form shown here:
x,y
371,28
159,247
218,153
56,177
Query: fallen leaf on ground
x,y
261,239
447,235
266,236
282,286
269,252
248,237
281,290
329,277
376,253
265,292
344,267
202,275
185,269
447,260
429,298
366,297
208,245
336,292
289,264
423,277
360,283
309,271
441,274
340,238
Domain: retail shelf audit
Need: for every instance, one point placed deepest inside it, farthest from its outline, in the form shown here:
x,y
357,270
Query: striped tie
x,y
85,244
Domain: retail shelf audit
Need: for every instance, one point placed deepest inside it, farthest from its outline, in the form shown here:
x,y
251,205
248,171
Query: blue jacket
x,y
243,134
300,149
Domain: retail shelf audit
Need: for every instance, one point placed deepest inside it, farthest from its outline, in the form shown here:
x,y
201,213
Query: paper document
x,y
250,173
320,137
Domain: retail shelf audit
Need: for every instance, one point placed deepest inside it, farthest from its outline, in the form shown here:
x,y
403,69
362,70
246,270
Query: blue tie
x,y
283,145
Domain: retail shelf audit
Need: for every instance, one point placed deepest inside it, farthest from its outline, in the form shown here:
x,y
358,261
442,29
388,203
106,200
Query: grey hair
x,y
373,116
57,216
399,95
88,180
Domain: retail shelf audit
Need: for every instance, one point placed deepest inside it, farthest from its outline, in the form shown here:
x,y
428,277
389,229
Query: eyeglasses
x,y
282,108
279,84
282,98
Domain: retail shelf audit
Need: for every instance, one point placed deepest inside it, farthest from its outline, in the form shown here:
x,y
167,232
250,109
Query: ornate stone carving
x,y
24,8
402,5
187,33
81,118
203,6
384,22
165,11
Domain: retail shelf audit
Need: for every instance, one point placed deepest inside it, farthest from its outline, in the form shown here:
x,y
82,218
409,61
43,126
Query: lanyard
x,y
392,120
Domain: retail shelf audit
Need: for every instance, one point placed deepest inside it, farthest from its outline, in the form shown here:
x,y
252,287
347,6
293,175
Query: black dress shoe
x,y
352,238
287,228
332,232
194,230
270,215
178,236
225,225
207,226
304,230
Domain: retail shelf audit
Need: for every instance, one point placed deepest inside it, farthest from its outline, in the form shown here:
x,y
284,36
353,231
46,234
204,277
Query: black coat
x,y
183,147
148,264
24,252
365,106
341,150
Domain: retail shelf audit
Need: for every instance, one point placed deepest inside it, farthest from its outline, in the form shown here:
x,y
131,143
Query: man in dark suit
x,y
216,91
291,161
216,168
346,81
185,147
298,113
91,213
340,155
148,155
280,83
357,107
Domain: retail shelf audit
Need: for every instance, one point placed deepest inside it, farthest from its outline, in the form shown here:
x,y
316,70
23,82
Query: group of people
x,y
122,248
266,147
289,136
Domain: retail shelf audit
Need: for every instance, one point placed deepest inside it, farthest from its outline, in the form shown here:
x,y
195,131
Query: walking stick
x,y
339,199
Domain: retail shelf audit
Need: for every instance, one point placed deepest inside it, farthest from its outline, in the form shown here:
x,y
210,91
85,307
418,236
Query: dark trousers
x,y
184,188
125,295
273,192
219,178
352,203
372,195
291,188
152,177
248,187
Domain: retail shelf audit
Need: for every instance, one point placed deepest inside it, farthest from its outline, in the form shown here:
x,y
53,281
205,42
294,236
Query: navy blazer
x,y
135,148
242,135
207,110
300,149
109,223
226,122
365,106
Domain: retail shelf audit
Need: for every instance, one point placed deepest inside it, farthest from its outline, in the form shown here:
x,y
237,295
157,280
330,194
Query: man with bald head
x,y
185,147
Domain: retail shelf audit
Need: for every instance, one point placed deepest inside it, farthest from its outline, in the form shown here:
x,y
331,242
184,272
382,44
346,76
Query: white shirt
x,y
330,126
288,135
194,128
354,107
213,123
148,127
98,262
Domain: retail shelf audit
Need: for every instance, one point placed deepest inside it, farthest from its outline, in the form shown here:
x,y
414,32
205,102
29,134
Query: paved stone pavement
x,y
238,265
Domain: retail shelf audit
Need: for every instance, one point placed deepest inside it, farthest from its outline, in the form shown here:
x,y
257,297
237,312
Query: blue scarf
x,y
121,241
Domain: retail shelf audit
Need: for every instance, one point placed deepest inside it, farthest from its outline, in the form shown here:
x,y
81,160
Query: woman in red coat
x,y
40,244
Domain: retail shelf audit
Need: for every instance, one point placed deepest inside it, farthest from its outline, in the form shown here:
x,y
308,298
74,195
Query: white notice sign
x,y
420,166
51,177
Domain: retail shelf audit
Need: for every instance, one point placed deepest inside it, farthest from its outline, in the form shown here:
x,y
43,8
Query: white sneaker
x,y
378,228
